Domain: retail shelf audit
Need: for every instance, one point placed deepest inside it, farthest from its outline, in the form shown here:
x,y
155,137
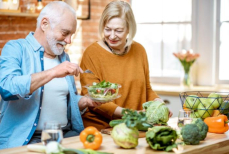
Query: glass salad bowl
x,y
103,91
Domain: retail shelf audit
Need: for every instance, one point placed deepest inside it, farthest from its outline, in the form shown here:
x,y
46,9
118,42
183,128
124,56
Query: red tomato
x,y
113,91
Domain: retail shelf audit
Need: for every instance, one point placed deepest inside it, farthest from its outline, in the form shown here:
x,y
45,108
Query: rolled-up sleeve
x,y
13,83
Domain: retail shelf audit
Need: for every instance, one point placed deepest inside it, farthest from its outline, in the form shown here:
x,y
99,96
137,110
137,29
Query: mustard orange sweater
x,y
131,71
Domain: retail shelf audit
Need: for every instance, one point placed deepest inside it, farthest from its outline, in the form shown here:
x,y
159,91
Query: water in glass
x,y
184,117
51,132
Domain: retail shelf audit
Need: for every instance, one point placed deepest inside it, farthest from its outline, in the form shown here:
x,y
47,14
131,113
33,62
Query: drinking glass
x,y
51,132
184,117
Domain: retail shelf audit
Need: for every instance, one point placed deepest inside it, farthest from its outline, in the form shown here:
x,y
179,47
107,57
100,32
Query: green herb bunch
x,y
132,118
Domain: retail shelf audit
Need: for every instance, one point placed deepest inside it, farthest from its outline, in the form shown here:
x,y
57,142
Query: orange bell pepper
x,y
217,124
216,113
184,107
91,138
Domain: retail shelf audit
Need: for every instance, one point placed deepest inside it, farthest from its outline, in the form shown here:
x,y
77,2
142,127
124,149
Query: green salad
x,y
104,91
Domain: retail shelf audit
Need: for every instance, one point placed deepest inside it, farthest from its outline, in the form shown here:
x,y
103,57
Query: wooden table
x,y
213,144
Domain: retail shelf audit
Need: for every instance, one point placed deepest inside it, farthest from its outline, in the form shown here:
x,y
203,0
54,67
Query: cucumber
x,y
116,122
144,126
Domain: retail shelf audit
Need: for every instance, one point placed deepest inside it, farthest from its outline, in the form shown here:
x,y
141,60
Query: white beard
x,y
52,42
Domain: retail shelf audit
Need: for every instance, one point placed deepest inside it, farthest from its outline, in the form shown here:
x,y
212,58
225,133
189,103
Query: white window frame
x,y
205,41
218,24
168,80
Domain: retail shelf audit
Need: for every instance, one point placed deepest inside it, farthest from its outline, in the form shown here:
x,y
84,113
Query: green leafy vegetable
x,y
161,138
104,84
132,118
156,112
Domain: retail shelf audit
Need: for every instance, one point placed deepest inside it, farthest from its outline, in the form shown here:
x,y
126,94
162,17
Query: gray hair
x,y
53,11
123,10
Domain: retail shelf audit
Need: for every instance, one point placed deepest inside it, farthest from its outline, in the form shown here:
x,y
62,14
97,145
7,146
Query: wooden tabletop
x,y
213,144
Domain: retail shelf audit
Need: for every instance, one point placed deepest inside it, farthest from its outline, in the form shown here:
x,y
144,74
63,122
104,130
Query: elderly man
x,y
37,80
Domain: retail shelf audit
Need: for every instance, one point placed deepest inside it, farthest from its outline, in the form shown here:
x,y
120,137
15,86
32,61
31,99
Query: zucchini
x,y
116,122
144,126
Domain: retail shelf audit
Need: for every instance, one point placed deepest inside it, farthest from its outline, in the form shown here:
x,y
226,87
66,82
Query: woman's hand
x,y
170,114
143,110
118,113
87,102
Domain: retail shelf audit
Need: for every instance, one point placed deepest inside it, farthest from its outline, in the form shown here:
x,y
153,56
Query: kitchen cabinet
x,y
173,103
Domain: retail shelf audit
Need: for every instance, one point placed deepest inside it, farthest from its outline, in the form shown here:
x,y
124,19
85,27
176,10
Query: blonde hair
x,y
119,9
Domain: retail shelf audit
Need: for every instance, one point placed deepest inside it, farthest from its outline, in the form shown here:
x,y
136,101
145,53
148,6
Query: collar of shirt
x,y
33,42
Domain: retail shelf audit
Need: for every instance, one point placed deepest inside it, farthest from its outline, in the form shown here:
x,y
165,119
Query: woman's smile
x,y
113,41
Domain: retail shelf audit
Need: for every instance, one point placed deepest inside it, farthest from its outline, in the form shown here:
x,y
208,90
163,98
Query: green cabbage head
x,y
125,137
156,112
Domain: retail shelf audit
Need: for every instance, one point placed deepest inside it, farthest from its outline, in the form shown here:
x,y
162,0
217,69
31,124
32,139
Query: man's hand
x,y
62,70
66,68
87,102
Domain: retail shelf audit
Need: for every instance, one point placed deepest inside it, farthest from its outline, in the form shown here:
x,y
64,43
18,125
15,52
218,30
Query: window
x,y
167,26
163,27
222,75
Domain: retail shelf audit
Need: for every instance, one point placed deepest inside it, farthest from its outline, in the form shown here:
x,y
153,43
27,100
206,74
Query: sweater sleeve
x,y
106,110
90,62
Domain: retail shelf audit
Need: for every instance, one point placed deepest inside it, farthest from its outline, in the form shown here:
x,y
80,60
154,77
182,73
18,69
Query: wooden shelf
x,y
17,13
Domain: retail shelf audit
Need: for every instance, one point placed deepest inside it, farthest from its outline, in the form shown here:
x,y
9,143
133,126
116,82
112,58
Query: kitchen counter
x,y
214,143
175,90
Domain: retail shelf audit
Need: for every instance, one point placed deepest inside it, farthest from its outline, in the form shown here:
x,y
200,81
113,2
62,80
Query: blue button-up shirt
x,y
20,111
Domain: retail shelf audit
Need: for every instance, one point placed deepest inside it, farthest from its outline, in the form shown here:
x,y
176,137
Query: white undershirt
x,y
54,103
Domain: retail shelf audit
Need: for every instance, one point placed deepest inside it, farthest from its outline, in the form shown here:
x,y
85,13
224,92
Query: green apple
x,y
215,99
195,115
224,108
192,102
205,109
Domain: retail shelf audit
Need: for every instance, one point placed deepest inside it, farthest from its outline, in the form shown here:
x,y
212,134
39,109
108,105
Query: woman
x,y
118,59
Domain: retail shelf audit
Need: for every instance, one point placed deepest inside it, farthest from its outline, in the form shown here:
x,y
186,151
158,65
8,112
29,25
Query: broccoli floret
x,y
190,134
203,128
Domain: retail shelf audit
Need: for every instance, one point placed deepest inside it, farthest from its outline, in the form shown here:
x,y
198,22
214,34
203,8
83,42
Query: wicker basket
x,y
205,105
